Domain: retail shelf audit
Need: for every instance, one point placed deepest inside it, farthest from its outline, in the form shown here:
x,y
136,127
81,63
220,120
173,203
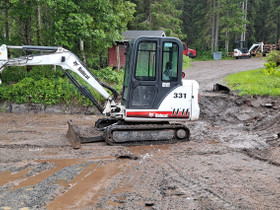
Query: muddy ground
x,y
231,162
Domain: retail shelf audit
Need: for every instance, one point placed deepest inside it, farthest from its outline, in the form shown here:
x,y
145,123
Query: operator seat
x,y
167,75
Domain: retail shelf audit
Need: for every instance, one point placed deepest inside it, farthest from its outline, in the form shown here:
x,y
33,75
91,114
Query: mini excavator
x,y
155,98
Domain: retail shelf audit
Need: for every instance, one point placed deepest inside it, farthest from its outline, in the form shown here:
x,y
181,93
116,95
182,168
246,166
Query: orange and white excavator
x,y
155,97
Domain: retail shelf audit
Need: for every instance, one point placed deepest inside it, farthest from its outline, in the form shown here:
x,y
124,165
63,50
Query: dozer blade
x,y
78,135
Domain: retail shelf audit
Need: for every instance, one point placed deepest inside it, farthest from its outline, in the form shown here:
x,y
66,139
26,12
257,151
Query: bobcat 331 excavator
x,y
155,98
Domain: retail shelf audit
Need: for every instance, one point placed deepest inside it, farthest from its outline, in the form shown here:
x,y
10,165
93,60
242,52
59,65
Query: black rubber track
x,y
108,133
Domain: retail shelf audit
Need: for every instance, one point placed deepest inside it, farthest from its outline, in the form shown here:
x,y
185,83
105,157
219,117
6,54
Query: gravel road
x,y
207,73
231,162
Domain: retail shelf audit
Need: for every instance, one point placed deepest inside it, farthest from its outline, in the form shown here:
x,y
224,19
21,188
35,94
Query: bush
x,y
187,62
16,74
43,91
110,77
273,57
205,56
13,74
271,69
272,65
45,86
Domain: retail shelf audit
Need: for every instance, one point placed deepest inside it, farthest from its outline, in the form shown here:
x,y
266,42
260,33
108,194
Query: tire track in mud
x,y
31,146
88,186
136,187
199,193
36,190
228,180
259,155
67,183
152,181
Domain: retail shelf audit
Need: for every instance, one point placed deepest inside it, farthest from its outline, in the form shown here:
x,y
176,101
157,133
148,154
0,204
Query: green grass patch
x,y
254,82
208,56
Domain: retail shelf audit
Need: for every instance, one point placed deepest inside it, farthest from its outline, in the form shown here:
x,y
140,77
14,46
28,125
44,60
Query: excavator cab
x,y
242,46
153,69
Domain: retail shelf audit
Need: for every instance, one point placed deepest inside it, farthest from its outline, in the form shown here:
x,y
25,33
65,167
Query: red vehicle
x,y
189,52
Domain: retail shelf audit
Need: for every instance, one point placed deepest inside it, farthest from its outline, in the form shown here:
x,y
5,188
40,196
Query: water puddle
x,y
7,176
60,164
89,186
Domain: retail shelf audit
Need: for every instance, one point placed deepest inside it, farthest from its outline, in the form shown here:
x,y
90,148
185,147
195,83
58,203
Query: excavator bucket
x,y
78,135
221,88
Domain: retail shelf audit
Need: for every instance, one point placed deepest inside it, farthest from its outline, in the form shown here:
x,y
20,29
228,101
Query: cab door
x,y
170,71
143,87
155,70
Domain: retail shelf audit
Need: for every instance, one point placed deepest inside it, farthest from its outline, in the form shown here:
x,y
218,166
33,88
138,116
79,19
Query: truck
x,y
188,51
155,102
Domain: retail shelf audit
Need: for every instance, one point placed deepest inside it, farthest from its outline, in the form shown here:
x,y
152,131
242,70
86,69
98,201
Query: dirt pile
x,y
247,124
255,113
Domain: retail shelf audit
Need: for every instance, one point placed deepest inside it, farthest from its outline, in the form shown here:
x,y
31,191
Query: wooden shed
x,y
116,54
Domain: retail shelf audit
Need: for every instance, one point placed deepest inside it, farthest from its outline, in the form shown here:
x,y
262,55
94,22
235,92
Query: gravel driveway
x,y
207,73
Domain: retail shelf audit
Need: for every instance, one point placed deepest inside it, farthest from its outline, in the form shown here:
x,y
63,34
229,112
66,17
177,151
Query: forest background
x,y
89,27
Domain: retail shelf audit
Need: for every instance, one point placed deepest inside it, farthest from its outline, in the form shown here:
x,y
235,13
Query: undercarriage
x,y
118,132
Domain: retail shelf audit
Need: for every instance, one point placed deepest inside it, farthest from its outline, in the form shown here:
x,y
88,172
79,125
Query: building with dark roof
x,y
130,35
116,54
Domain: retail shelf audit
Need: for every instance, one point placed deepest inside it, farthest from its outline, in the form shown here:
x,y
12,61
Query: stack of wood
x,y
268,47
254,51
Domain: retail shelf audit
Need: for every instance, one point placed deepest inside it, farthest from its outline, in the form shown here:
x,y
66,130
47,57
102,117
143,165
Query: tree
x,y
158,15
215,25
5,7
93,24
194,16
273,23
244,6
88,27
232,20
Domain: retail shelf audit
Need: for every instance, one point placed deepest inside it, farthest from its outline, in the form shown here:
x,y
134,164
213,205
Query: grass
x,y
208,56
254,82
187,62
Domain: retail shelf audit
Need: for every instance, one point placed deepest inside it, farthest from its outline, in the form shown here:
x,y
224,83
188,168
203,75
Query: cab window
x,y
146,61
170,61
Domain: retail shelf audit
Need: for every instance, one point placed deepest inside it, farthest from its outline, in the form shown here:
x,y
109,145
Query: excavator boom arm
x,y
56,56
